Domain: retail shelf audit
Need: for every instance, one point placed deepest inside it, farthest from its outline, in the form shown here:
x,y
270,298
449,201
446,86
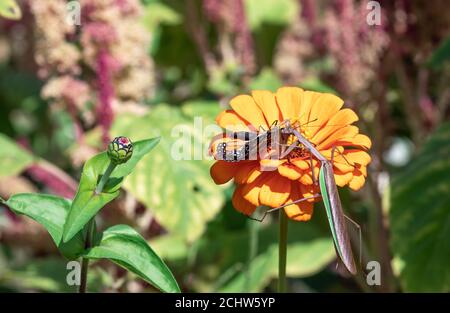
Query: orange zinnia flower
x,y
321,120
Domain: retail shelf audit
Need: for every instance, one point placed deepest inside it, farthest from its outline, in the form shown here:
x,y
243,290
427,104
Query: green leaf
x,y
266,80
207,110
10,9
222,81
87,203
314,84
170,247
280,12
124,246
49,211
178,190
420,217
156,13
13,158
440,55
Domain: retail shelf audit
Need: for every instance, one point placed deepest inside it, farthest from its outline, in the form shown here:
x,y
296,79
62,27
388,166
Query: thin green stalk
x,y
85,262
282,251
90,227
84,269
253,249
105,178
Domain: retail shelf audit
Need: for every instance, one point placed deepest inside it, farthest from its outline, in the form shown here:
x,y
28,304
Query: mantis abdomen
x,y
336,216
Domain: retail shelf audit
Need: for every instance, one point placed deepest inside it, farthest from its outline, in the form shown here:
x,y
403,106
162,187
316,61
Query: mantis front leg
x,y
294,146
282,206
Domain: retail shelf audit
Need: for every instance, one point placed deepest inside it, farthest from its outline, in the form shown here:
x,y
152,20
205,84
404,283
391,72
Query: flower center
x,y
306,132
300,151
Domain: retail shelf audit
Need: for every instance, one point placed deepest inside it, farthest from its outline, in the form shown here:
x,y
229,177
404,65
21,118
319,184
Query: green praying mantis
x,y
253,143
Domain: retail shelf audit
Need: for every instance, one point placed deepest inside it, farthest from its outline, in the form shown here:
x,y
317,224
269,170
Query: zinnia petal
x,y
230,120
362,140
247,108
324,108
222,171
271,163
290,171
341,178
268,105
288,100
363,170
338,151
306,179
343,167
275,191
334,138
240,204
301,211
358,140
308,99
357,180
339,120
247,173
302,164
251,191
357,156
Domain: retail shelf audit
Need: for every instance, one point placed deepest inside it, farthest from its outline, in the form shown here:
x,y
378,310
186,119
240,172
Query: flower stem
x,y
282,251
105,178
85,262
253,249
90,227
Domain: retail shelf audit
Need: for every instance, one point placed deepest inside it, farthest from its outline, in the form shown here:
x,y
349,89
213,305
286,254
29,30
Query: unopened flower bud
x,y
120,150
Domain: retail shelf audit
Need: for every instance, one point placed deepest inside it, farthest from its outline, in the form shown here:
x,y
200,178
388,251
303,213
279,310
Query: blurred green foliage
x,y
14,159
419,216
175,181
10,9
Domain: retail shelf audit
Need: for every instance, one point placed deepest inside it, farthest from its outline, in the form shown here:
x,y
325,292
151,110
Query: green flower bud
x,y
120,150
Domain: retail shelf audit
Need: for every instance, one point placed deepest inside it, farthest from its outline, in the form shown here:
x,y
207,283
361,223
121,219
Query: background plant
x,y
196,55
72,225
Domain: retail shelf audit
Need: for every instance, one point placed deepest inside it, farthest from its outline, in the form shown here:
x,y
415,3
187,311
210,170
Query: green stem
x,y
105,178
253,249
85,262
91,229
84,270
282,251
